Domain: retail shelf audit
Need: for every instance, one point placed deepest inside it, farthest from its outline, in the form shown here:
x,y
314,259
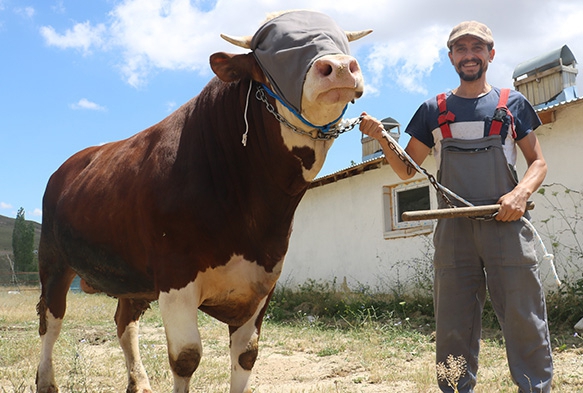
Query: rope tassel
x,y
244,139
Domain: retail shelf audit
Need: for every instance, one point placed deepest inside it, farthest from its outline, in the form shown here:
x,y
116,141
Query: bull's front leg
x,y
244,349
179,314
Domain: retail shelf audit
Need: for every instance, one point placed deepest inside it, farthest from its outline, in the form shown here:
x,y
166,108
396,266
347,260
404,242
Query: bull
x,y
196,211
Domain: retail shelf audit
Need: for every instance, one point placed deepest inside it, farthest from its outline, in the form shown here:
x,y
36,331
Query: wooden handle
x,y
468,211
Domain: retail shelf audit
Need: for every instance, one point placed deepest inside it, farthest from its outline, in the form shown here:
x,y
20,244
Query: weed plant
x,y
452,370
564,305
328,305
562,227
337,306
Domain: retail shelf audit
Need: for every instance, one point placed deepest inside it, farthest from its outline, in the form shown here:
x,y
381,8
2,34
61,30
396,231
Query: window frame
x,y
393,226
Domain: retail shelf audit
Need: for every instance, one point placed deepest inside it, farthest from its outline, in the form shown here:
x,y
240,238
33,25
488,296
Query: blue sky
x,y
79,73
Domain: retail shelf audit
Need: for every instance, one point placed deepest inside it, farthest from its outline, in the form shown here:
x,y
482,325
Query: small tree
x,y
23,244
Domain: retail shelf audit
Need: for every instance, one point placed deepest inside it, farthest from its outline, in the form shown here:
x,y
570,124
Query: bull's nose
x,y
336,66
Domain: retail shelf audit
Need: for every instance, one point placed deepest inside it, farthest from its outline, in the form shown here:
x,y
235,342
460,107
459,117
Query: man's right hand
x,y
371,126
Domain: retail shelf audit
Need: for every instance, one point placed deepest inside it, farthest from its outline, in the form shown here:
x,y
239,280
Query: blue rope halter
x,y
324,128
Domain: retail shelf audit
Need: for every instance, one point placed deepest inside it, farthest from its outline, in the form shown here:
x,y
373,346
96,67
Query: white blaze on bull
x,y
216,286
332,77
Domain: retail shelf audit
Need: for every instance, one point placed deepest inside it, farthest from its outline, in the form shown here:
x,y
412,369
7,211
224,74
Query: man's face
x,y
470,57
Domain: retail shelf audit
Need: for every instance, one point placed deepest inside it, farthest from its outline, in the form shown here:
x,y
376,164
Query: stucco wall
x,y
562,144
557,216
338,235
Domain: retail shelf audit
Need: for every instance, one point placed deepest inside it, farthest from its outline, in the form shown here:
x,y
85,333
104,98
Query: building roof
x,y
554,58
547,113
353,170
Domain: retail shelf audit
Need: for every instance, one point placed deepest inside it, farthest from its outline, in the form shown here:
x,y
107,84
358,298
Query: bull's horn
x,y
243,42
355,35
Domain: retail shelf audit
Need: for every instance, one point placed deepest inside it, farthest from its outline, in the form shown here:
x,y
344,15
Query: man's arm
x,y
513,204
416,149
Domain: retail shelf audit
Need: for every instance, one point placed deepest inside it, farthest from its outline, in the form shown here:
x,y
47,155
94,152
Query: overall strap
x,y
445,117
501,112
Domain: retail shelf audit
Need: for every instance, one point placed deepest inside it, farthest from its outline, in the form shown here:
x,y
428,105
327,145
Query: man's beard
x,y
474,77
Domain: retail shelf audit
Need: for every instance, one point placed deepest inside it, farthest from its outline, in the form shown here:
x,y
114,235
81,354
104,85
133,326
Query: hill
x,y
6,228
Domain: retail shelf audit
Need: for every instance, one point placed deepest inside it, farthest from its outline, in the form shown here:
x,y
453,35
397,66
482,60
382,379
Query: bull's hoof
x,y
142,388
51,388
47,389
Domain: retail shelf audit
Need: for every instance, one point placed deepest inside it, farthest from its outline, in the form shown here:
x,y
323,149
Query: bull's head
x,y
304,57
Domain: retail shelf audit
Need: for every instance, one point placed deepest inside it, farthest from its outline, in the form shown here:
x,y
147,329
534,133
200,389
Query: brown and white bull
x,y
196,211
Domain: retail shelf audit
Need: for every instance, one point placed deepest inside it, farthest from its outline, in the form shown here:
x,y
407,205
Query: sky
x,y
76,73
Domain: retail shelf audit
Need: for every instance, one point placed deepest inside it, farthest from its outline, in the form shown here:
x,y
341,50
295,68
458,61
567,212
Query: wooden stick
x,y
468,211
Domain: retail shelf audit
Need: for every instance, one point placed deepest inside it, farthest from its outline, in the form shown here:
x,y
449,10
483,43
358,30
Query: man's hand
x,y
512,205
371,126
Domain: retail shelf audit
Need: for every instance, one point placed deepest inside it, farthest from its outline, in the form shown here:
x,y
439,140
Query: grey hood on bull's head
x,y
301,37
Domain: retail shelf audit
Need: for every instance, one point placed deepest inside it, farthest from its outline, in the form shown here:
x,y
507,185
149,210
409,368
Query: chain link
x,y
334,132
419,168
341,128
441,190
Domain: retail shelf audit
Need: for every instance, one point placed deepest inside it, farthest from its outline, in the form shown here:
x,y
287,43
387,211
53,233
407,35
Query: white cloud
x,y
170,106
84,103
160,34
408,37
26,12
81,36
4,205
37,212
407,67
59,7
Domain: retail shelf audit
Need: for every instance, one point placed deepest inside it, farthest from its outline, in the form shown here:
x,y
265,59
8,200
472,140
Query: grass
x,y
360,348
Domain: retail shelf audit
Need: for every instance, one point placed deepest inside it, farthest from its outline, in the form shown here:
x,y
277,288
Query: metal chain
x,y
407,160
340,129
441,190
334,132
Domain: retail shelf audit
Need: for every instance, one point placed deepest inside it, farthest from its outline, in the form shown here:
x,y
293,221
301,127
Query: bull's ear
x,y
230,68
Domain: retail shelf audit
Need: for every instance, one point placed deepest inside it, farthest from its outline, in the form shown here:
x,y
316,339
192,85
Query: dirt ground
x,y
302,372
291,360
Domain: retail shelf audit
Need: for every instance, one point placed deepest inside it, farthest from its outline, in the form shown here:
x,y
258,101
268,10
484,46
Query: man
x,y
476,155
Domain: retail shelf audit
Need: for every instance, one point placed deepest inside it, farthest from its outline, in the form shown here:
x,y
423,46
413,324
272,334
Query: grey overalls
x,y
471,255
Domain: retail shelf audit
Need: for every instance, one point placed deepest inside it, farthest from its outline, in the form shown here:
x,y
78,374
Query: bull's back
x,y
91,212
149,213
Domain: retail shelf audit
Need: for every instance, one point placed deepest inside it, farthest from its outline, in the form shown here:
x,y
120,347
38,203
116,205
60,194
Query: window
x,y
406,197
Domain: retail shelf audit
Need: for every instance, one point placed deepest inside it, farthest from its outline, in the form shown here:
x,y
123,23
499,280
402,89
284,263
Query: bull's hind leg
x,y
244,342
179,313
55,283
127,318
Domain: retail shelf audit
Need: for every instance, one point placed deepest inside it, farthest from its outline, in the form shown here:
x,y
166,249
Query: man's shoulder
x,y
432,103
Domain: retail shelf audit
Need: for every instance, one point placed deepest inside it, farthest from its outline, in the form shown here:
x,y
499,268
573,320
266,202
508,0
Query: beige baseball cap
x,y
473,28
